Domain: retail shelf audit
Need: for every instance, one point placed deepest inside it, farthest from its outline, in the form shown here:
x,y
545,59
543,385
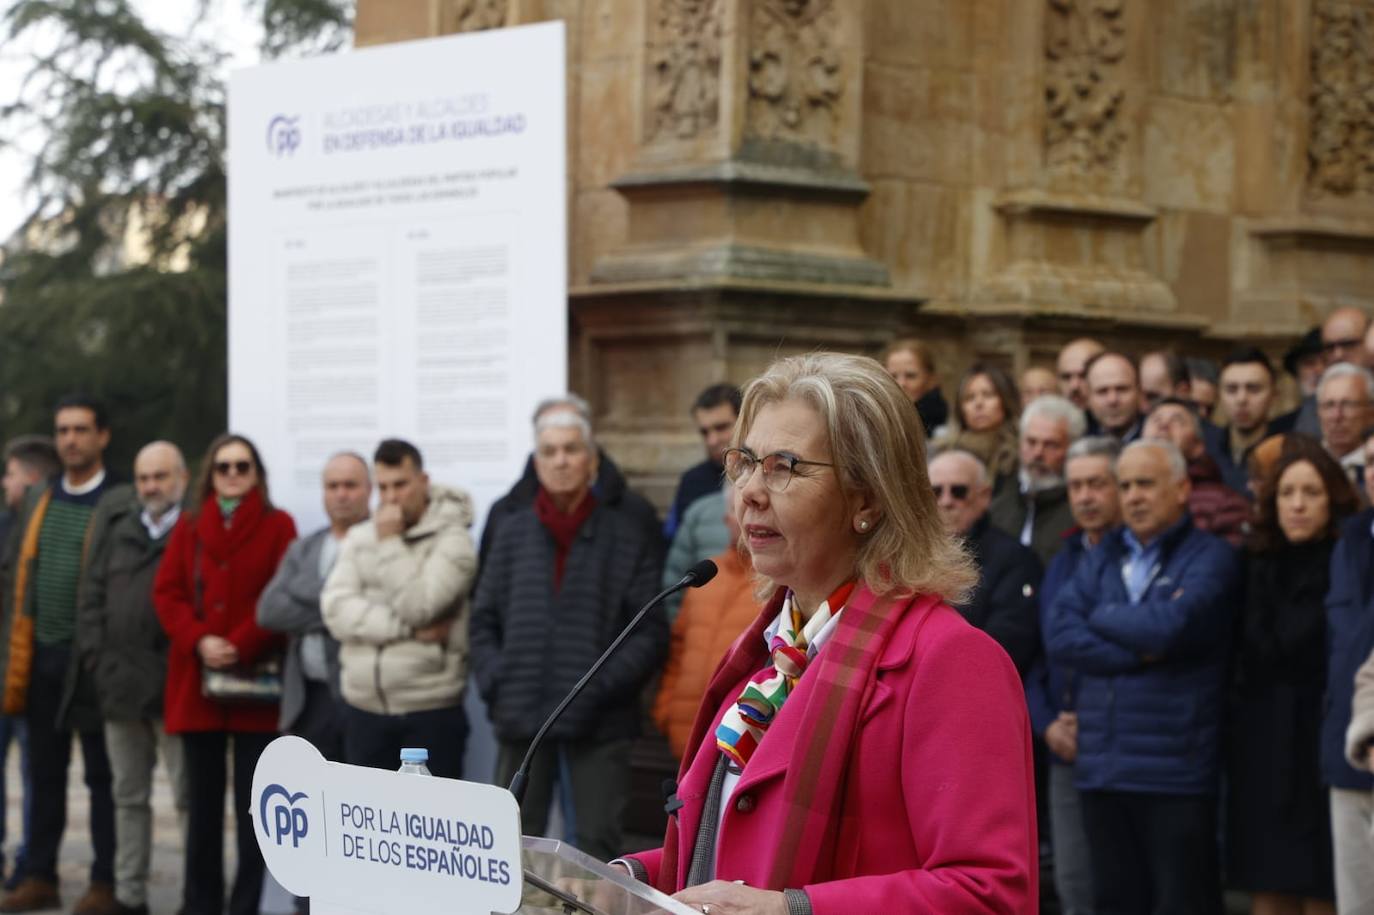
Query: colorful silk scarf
x,y
791,646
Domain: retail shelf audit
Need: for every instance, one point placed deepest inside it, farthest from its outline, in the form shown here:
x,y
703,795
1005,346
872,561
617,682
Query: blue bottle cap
x,y
414,754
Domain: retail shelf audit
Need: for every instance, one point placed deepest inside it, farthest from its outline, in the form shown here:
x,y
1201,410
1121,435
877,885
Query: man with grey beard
x,y
1036,511
122,642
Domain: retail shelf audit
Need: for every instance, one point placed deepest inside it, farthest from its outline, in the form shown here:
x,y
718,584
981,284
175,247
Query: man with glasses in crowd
x,y
1345,396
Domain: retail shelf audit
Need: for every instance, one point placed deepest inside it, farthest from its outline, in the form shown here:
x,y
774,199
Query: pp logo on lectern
x,y
287,820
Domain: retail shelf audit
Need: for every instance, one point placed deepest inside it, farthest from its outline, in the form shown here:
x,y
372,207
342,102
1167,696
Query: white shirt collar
x,y
89,486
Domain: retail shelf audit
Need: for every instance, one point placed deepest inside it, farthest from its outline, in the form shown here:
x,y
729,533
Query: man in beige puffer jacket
x,y
397,602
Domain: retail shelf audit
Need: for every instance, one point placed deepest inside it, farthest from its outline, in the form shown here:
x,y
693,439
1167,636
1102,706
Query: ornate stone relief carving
x,y
684,69
472,15
1340,146
1085,43
795,72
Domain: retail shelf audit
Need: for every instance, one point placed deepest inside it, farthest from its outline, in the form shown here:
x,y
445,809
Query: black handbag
x,y
243,684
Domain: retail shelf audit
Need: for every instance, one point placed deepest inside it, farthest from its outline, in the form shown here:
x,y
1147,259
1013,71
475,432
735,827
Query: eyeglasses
x,y
957,491
777,468
238,468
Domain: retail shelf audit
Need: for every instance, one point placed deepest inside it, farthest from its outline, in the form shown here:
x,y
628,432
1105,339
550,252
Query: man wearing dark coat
x,y
1036,510
119,638
609,478
1004,603
1144,624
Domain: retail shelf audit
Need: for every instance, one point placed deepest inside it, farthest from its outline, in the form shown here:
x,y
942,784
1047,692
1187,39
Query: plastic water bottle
x,y
413,761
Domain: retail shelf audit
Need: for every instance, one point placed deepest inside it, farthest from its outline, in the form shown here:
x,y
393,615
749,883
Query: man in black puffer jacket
x,y
609,479
562,576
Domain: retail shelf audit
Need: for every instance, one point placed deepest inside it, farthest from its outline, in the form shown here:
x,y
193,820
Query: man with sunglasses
x,y
1003,605
43,677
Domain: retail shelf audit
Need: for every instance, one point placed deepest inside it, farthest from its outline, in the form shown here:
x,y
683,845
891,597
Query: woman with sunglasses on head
x,y
986,411
221,555
861,748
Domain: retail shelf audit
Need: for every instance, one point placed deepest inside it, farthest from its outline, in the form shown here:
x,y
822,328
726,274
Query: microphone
x,y
696,576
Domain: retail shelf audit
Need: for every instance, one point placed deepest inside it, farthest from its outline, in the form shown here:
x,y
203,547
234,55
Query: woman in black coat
x,y
1279,836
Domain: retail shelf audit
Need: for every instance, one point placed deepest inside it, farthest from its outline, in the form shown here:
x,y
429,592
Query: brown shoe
x,y
99,900
30,895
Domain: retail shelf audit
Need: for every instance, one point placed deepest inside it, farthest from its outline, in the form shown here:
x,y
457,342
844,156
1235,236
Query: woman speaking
x,y
861,748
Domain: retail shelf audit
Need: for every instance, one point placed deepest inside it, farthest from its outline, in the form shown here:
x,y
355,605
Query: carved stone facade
x,y
796,75
1085,43
1340,150
750,177
684,69
473,15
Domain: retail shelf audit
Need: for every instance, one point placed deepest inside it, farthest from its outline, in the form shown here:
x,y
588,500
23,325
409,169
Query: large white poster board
x,y
397,256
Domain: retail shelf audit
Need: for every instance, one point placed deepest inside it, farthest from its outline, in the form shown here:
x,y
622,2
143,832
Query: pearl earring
x,y
863,525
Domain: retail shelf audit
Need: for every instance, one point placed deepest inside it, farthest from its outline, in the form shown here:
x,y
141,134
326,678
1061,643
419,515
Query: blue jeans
x,y
14,727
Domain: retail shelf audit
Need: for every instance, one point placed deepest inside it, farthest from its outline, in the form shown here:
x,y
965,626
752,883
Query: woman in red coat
x,y
221,555
861,748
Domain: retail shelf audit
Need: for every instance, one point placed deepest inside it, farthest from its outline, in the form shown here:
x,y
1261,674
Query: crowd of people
x,y
1178,574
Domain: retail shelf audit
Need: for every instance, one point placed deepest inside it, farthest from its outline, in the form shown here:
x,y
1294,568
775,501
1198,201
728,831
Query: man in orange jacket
x,y
710,620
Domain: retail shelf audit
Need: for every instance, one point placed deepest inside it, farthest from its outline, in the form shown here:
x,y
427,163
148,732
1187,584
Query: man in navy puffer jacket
x,y
1350,639
1145,623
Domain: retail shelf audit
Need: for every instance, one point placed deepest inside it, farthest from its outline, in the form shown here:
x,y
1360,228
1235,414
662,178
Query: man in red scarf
x,y
563,577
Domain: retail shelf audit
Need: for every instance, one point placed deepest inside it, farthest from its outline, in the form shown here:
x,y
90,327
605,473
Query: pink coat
x,y
939,803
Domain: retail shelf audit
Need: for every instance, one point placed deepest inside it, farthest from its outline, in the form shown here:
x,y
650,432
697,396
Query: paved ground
x,y
74,869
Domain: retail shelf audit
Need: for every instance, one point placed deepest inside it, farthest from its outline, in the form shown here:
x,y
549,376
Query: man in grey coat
x,y
311,704
121,641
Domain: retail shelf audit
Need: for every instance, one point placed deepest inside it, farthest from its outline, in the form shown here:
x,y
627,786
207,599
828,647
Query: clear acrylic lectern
x,y
560,880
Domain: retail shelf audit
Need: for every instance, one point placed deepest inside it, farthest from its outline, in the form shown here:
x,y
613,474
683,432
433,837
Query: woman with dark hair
x,y
1279,847
984,421
221,555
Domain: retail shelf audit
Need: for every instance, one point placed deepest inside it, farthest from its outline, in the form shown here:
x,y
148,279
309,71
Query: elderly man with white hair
x,y
1345,408
1004,603
1144,623
608,478
563,576
1036,512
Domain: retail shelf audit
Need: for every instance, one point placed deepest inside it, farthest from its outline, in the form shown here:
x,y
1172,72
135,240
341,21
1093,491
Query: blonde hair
x,y
878,447
915,347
